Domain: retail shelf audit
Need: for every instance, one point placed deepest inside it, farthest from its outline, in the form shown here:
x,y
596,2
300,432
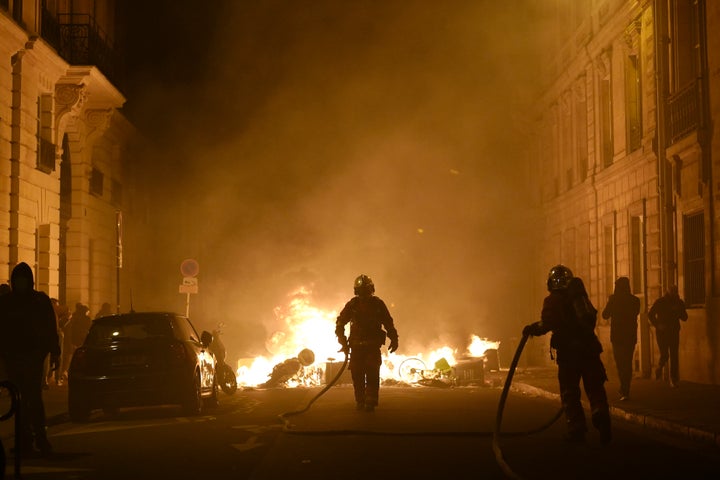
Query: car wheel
x,y
212,400
78,408
194,402
228,381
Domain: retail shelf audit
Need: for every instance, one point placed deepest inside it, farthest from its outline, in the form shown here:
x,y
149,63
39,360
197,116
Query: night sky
x,y
306,142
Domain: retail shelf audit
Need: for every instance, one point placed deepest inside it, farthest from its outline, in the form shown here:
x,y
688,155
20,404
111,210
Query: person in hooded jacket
x,y
665,315
105,310
368,316
568,313
622,309
28,333
80,322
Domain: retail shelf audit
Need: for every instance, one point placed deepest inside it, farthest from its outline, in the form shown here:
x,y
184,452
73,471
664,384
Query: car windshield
x,y
128,328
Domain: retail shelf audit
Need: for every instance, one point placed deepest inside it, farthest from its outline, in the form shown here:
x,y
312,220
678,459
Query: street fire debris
x,y
310,331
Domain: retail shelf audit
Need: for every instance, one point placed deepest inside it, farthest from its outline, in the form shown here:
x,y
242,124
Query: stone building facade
x,y
64,145
623,165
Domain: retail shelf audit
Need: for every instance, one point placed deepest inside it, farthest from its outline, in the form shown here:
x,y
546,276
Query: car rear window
x,y
129,328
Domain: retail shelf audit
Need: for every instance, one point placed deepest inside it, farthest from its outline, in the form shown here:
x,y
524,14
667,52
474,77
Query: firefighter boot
x,y
601,421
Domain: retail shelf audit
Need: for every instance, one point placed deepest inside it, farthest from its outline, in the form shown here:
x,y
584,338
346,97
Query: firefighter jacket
x,y
370,322
573,335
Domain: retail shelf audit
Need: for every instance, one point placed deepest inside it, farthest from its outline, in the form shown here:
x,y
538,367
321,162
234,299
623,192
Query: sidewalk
x,y
691,410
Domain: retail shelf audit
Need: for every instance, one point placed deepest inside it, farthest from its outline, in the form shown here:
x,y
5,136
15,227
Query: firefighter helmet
x,y
559,277
364,285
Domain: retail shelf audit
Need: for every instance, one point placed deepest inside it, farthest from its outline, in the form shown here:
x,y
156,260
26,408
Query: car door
x,y
206,360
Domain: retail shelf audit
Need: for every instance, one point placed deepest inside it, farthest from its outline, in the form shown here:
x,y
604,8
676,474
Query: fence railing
x,y
78,40
682,113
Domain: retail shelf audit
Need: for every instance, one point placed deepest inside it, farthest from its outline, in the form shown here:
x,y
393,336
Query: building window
x,y
606,124
636,255
96,182
45,148
633,108
694,252
609,254
581,136
566,140
681,47
683,111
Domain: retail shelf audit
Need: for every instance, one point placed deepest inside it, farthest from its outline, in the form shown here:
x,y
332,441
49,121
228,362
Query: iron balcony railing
x,y
79,41
682,113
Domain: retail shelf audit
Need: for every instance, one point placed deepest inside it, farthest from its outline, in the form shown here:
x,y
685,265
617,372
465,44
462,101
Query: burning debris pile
x,y
311,332
293,369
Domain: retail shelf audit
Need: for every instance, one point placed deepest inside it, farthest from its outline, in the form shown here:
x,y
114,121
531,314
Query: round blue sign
x,y
190,268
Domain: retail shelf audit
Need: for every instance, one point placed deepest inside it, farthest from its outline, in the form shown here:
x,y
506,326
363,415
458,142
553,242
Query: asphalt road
x,y
416,432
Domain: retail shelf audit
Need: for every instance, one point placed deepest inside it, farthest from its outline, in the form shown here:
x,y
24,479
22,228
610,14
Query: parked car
x,y
142,359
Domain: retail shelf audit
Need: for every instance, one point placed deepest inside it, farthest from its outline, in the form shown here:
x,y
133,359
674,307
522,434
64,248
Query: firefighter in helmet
x,y
569,314
370,324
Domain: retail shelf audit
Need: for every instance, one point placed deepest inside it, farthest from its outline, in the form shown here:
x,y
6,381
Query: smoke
x,y
314,141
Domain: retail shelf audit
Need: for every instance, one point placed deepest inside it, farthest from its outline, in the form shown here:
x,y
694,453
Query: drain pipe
x,y
663,188
15,154
705,133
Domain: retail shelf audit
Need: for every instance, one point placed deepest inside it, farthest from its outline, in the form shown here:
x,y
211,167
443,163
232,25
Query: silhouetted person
x,y
665,315
67,347
105,310
4,288
80,323
62,314
28,333
368,316
623,309
569,314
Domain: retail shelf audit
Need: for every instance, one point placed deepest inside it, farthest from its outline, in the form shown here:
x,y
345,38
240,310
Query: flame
x,y
478,346
306,326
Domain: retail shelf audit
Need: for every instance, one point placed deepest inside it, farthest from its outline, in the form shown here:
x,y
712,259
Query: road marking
x,y
30,469
103,427
257,429
249,444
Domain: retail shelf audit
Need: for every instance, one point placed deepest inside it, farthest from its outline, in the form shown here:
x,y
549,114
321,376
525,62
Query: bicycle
x,y
414,370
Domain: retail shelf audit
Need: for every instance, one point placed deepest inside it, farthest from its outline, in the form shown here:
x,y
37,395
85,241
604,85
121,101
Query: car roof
x,y
135,316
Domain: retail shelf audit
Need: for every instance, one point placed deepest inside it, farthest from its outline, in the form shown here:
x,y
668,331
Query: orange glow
x,y
306,326
478,346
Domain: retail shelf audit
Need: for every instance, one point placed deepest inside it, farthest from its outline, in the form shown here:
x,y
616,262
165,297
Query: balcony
x,y
79,41
682,108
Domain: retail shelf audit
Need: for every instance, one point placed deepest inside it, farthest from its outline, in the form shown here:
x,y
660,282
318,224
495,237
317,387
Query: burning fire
x,y
308,327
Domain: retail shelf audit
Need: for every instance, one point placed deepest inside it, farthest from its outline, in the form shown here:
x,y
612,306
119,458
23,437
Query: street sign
x,y
188,289
190,281
190,268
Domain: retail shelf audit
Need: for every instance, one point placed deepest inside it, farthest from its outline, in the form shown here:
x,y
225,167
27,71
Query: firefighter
x,y
28,333
568,313
367,315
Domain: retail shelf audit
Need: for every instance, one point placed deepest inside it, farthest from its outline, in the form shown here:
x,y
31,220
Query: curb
x,y
647,421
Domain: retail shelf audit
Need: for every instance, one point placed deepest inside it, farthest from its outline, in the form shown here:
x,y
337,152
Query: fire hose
x,y
501,407
496,433
283,416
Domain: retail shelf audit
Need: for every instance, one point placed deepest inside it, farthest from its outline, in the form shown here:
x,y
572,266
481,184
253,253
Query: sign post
x,y
189,268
